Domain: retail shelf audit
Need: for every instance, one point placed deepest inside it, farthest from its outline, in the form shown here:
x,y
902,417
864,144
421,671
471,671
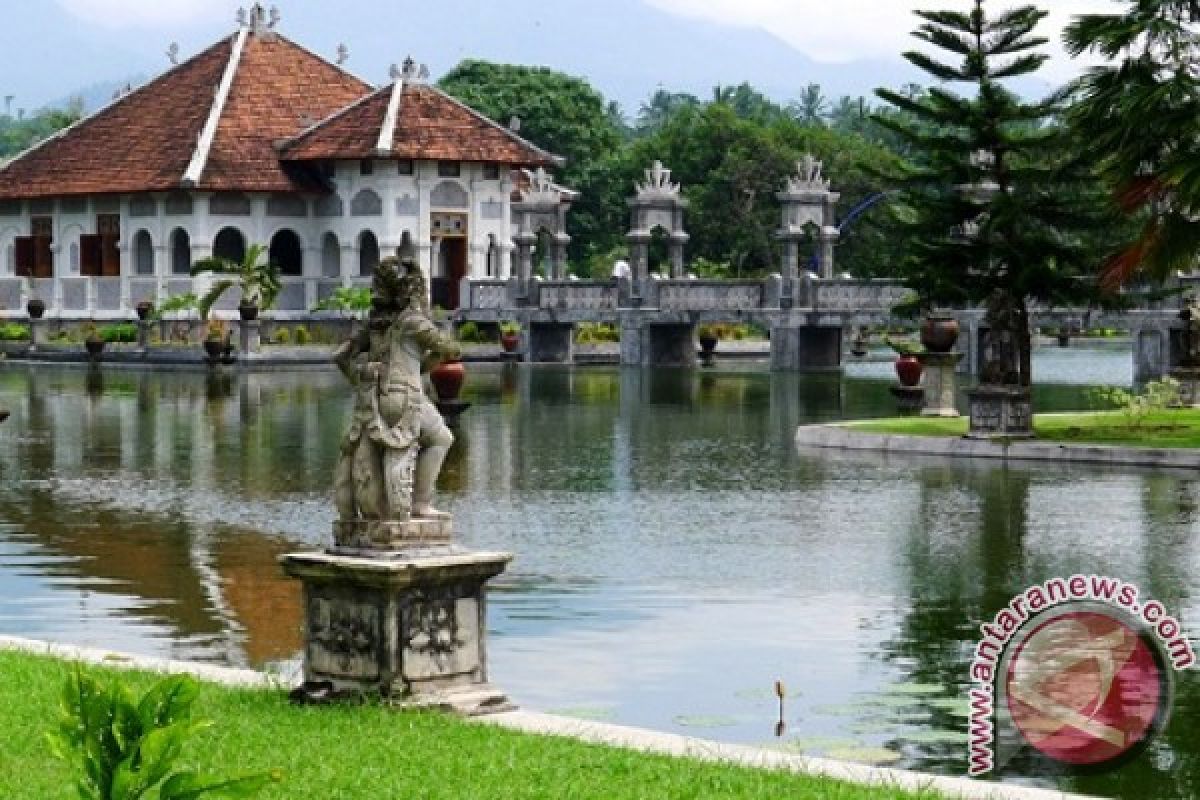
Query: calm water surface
x,y
676,554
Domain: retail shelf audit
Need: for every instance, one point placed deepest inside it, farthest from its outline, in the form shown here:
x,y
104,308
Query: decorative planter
x,y
447,379
227,354
248,312
143,310
510,342
214,348
908,370
36,307
939,334
708,343
94,347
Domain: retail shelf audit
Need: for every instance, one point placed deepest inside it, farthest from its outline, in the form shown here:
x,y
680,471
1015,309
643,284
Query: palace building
x,y
258,140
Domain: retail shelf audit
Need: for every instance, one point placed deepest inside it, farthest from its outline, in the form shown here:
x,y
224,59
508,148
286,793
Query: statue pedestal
x,y
1189,385
409,626
1000,412
939,379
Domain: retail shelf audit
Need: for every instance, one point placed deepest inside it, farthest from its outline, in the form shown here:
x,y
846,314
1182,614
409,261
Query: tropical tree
x,y
1136,116
812,106
255,276
661,106
995,204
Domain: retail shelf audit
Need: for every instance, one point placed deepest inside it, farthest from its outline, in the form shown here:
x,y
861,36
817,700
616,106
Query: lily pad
x,y
935,737
893,701
705,721
871,726
757,693
919,689
815,744
865,755
596,714
842,710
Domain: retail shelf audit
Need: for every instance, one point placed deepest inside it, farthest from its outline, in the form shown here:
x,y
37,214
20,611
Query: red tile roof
x,y
430,125
145,140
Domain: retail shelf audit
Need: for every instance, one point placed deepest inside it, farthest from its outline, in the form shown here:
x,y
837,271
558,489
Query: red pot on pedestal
x,y
908,370
447,379
510,341
939,334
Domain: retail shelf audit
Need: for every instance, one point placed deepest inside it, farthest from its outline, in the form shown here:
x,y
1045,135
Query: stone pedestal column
x,y
144,334
1000,412
408,625
251,336
39,333
940,382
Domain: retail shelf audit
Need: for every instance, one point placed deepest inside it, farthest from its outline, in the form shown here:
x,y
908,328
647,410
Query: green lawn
x,y
372,752
1169,428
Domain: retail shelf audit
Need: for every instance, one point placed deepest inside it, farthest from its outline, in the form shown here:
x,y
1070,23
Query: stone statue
x,y
394,448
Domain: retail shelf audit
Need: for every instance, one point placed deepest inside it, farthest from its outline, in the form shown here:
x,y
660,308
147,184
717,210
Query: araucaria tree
x,y
995,210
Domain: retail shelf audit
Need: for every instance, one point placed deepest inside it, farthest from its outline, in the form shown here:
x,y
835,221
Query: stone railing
x,y
489,295
850,295
698,295
576,295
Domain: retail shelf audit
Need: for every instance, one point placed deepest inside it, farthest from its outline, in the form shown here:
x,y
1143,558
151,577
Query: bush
x,y
301,335
1156,396
122,332
346,299
281,336
596,333
179,302
14,332
471,333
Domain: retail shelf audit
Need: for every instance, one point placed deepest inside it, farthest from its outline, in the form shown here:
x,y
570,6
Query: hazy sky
x,y
51,48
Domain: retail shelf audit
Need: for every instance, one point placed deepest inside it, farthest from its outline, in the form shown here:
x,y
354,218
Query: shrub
x,y
1156,396
122,332
472,333
179,302
301,335
124,748
281,336
596,332
346,299
14,332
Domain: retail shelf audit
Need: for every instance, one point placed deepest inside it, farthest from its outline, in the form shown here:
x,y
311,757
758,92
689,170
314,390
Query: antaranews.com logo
x,y
1079,669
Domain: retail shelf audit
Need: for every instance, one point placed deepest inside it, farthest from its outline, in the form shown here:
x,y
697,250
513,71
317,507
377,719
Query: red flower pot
x,y
510,341
908,370
447,379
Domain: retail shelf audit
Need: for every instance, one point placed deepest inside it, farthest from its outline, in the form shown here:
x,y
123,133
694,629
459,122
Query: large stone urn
x,y
395,607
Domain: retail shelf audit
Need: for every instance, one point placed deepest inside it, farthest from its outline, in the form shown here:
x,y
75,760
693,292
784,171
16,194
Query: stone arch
x,y
287,252
143,253
368,254
331,255
367,203
181,252
230,243
658,203
449,194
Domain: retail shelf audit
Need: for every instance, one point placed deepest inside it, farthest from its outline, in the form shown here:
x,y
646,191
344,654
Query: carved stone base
x,y
374,535
409,629
1000,412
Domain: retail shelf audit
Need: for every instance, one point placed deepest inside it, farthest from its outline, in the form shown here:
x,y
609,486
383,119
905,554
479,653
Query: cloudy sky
x,y
627,48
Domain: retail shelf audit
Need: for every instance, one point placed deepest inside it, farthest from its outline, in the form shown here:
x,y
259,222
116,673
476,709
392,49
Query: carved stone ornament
x,y
541,190
808,177
657,184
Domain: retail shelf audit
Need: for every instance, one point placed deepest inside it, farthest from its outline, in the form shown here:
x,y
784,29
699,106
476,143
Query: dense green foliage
x,y
1136,118
20,133
996,207
256,276
373,752
125,748
347,298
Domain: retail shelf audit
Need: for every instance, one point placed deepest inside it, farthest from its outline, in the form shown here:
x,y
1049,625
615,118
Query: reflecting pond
x,y
676,555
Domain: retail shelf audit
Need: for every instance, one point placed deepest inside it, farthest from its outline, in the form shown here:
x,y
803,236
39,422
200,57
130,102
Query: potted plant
x,y
93,342
447,379
939,332
707,335
256,276
510,336
34,306
215,340
145,310
908,367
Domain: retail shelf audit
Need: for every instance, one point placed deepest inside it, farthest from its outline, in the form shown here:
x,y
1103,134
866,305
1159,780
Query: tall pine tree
x,y
994,207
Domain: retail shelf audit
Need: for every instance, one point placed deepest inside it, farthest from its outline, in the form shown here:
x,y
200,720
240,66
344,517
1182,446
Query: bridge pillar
x,y
1152,357
657,344
810,347
550,343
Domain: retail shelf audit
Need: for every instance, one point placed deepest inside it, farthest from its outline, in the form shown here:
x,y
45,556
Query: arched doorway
x,y
287,253
368,254
143,254
181,252
230,244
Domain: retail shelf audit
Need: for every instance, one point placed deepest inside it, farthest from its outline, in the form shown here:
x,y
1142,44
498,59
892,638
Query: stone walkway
x,y
640,739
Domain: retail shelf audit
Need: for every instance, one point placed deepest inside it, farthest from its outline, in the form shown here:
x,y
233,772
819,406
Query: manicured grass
x,y
1168,428
373,752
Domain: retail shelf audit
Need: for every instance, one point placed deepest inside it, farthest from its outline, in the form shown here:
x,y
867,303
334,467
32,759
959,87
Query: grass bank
x,y
1175,428
372,752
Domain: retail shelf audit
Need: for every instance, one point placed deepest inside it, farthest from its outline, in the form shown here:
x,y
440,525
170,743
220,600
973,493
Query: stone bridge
x,y
809,318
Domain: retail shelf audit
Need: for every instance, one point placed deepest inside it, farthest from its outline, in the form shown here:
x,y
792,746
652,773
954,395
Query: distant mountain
x,y
97,95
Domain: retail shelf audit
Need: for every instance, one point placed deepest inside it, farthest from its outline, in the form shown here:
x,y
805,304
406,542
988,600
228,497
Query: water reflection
x,y
676,554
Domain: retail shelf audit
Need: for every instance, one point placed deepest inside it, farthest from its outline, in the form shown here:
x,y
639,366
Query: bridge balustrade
x,y
693,295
